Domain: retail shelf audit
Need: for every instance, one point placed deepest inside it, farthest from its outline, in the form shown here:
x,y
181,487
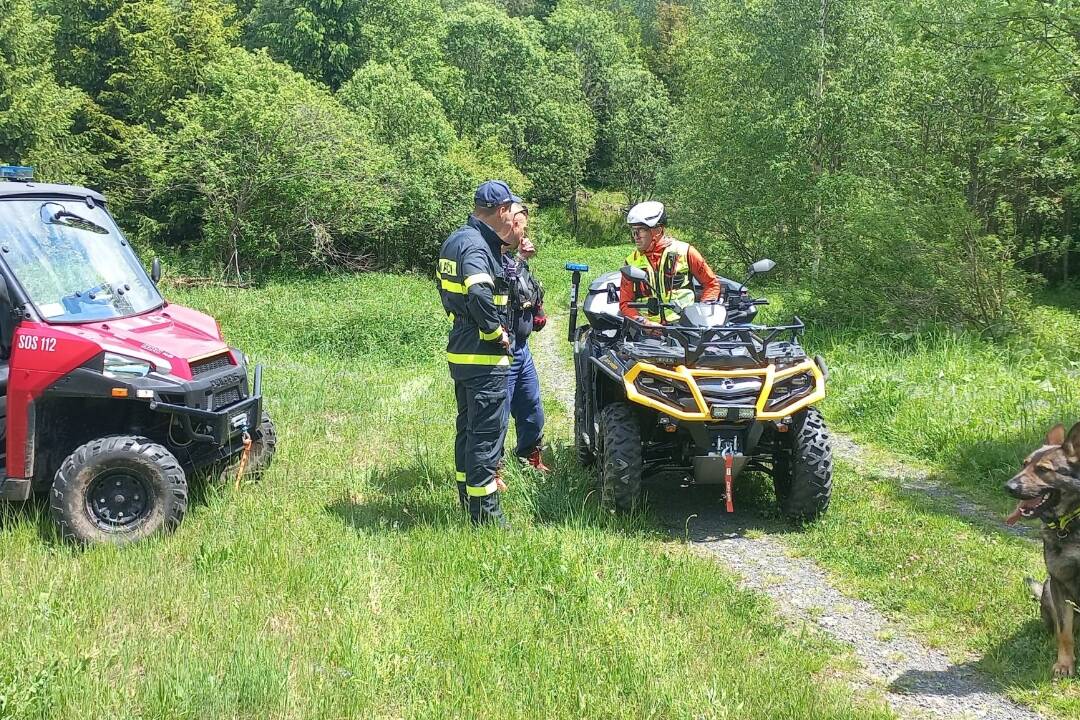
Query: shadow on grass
x,y
421,493
34,512
1020,662
672,508
400,498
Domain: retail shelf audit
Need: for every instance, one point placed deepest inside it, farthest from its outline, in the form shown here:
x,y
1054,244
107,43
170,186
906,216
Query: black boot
x,y
484,510
463,496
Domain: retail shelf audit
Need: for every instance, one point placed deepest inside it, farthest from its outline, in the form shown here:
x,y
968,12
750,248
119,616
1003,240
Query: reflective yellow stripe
x,y
478,278
451,286
493,335
482,491
460,476
450,317
500,299
466,359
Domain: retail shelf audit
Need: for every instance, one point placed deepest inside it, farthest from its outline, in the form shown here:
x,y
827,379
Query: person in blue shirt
x,y
527,316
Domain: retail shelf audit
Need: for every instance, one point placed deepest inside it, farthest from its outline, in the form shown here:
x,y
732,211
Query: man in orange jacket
x,y
668,262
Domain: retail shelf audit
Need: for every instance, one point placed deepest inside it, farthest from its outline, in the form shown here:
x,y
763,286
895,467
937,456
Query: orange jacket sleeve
x,y
710,286
626,296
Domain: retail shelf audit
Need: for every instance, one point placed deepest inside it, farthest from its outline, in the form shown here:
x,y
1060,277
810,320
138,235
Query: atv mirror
x,y
654,306
155,270
762,266
631,272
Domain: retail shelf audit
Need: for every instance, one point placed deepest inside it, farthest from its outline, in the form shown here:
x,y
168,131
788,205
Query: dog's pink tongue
x,y
1015,515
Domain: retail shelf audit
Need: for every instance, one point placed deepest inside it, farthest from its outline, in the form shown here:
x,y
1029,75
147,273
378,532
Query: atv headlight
x,y
122,366
790,389
669,391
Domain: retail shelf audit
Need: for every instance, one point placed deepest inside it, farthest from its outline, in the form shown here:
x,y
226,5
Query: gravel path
x,y
916,681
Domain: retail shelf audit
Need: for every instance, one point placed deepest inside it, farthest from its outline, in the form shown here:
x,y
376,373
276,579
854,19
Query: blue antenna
x,y
18,173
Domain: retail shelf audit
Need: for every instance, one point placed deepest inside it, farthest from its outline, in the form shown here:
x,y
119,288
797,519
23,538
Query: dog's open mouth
x,y
1028,508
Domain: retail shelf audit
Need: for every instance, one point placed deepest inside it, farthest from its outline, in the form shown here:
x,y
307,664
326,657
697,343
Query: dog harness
x,y
1063,522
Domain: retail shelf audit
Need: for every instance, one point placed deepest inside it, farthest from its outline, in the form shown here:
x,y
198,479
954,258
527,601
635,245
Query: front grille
x,y
226,397
730,391
210,364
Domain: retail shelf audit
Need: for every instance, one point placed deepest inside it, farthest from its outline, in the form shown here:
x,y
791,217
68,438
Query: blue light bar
x,y
577,267
20,173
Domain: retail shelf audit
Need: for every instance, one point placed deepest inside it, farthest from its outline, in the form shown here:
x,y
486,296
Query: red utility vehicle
x,y
111,398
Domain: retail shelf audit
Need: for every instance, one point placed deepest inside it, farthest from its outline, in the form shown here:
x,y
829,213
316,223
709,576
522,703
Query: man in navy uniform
x,y
475,296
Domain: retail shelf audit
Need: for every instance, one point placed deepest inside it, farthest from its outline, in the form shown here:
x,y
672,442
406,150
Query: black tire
x,y
118,489
585,454
263,447
802,474
620,452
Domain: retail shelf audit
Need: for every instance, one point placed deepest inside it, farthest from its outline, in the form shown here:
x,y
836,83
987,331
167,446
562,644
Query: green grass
x,y
347,584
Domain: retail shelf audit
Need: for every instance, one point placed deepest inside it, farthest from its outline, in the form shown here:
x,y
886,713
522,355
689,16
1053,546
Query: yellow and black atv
x,y
705,397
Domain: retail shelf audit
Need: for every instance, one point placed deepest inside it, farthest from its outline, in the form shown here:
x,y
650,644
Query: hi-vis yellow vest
x,y
671,278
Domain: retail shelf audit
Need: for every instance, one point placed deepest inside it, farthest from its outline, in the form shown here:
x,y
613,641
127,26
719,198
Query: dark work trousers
x,y
525,406
482,417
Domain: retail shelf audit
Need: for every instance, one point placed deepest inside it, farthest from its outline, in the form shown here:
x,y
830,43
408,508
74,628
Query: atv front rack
x,y
754,340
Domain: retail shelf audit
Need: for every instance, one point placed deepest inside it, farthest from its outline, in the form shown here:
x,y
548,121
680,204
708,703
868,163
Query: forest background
x,y
906,163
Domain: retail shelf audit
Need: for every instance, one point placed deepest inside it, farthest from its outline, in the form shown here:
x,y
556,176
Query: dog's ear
x,y
1071,446
1056,436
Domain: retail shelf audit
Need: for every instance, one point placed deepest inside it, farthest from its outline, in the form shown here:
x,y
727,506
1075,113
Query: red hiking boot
x,y
536,461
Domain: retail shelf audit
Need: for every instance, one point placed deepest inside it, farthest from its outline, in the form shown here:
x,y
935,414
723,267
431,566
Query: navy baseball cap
x,y
494,193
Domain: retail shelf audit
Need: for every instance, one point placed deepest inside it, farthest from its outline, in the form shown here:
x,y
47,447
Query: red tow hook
x,y
729,460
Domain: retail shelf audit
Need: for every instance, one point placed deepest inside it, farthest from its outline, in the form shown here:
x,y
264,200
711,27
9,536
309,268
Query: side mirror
x,y
654,306
155,270
632,272
762,266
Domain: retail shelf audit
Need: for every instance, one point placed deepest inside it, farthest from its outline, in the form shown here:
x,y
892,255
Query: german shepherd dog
x,y
1048,487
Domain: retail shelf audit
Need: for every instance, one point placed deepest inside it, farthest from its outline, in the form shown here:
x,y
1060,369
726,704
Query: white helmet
x,y
649,213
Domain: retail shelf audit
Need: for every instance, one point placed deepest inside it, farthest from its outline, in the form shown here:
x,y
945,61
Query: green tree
x,y
328,40
511,89
39,117
398,107
136,57
639,133
631,106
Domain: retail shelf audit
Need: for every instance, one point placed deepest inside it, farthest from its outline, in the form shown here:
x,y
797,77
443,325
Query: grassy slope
x,y
346,585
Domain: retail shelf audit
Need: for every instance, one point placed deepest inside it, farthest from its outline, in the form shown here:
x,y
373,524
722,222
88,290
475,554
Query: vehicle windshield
x,y
73,261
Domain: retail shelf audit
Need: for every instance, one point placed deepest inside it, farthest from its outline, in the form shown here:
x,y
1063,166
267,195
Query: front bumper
x,y
688,403
220,427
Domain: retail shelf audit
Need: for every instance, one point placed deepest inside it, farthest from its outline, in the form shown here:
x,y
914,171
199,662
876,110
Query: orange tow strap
x,y
729,460
243,458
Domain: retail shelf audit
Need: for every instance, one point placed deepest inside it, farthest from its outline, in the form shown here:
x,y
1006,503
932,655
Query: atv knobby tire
x,y
263,447
585,454
620,454
118,489
803,469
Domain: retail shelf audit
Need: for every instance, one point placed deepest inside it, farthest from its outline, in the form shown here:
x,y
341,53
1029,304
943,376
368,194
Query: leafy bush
x,y
272,170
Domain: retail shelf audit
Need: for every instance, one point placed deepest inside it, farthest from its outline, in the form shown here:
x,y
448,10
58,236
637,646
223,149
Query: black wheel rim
x,y
118,499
